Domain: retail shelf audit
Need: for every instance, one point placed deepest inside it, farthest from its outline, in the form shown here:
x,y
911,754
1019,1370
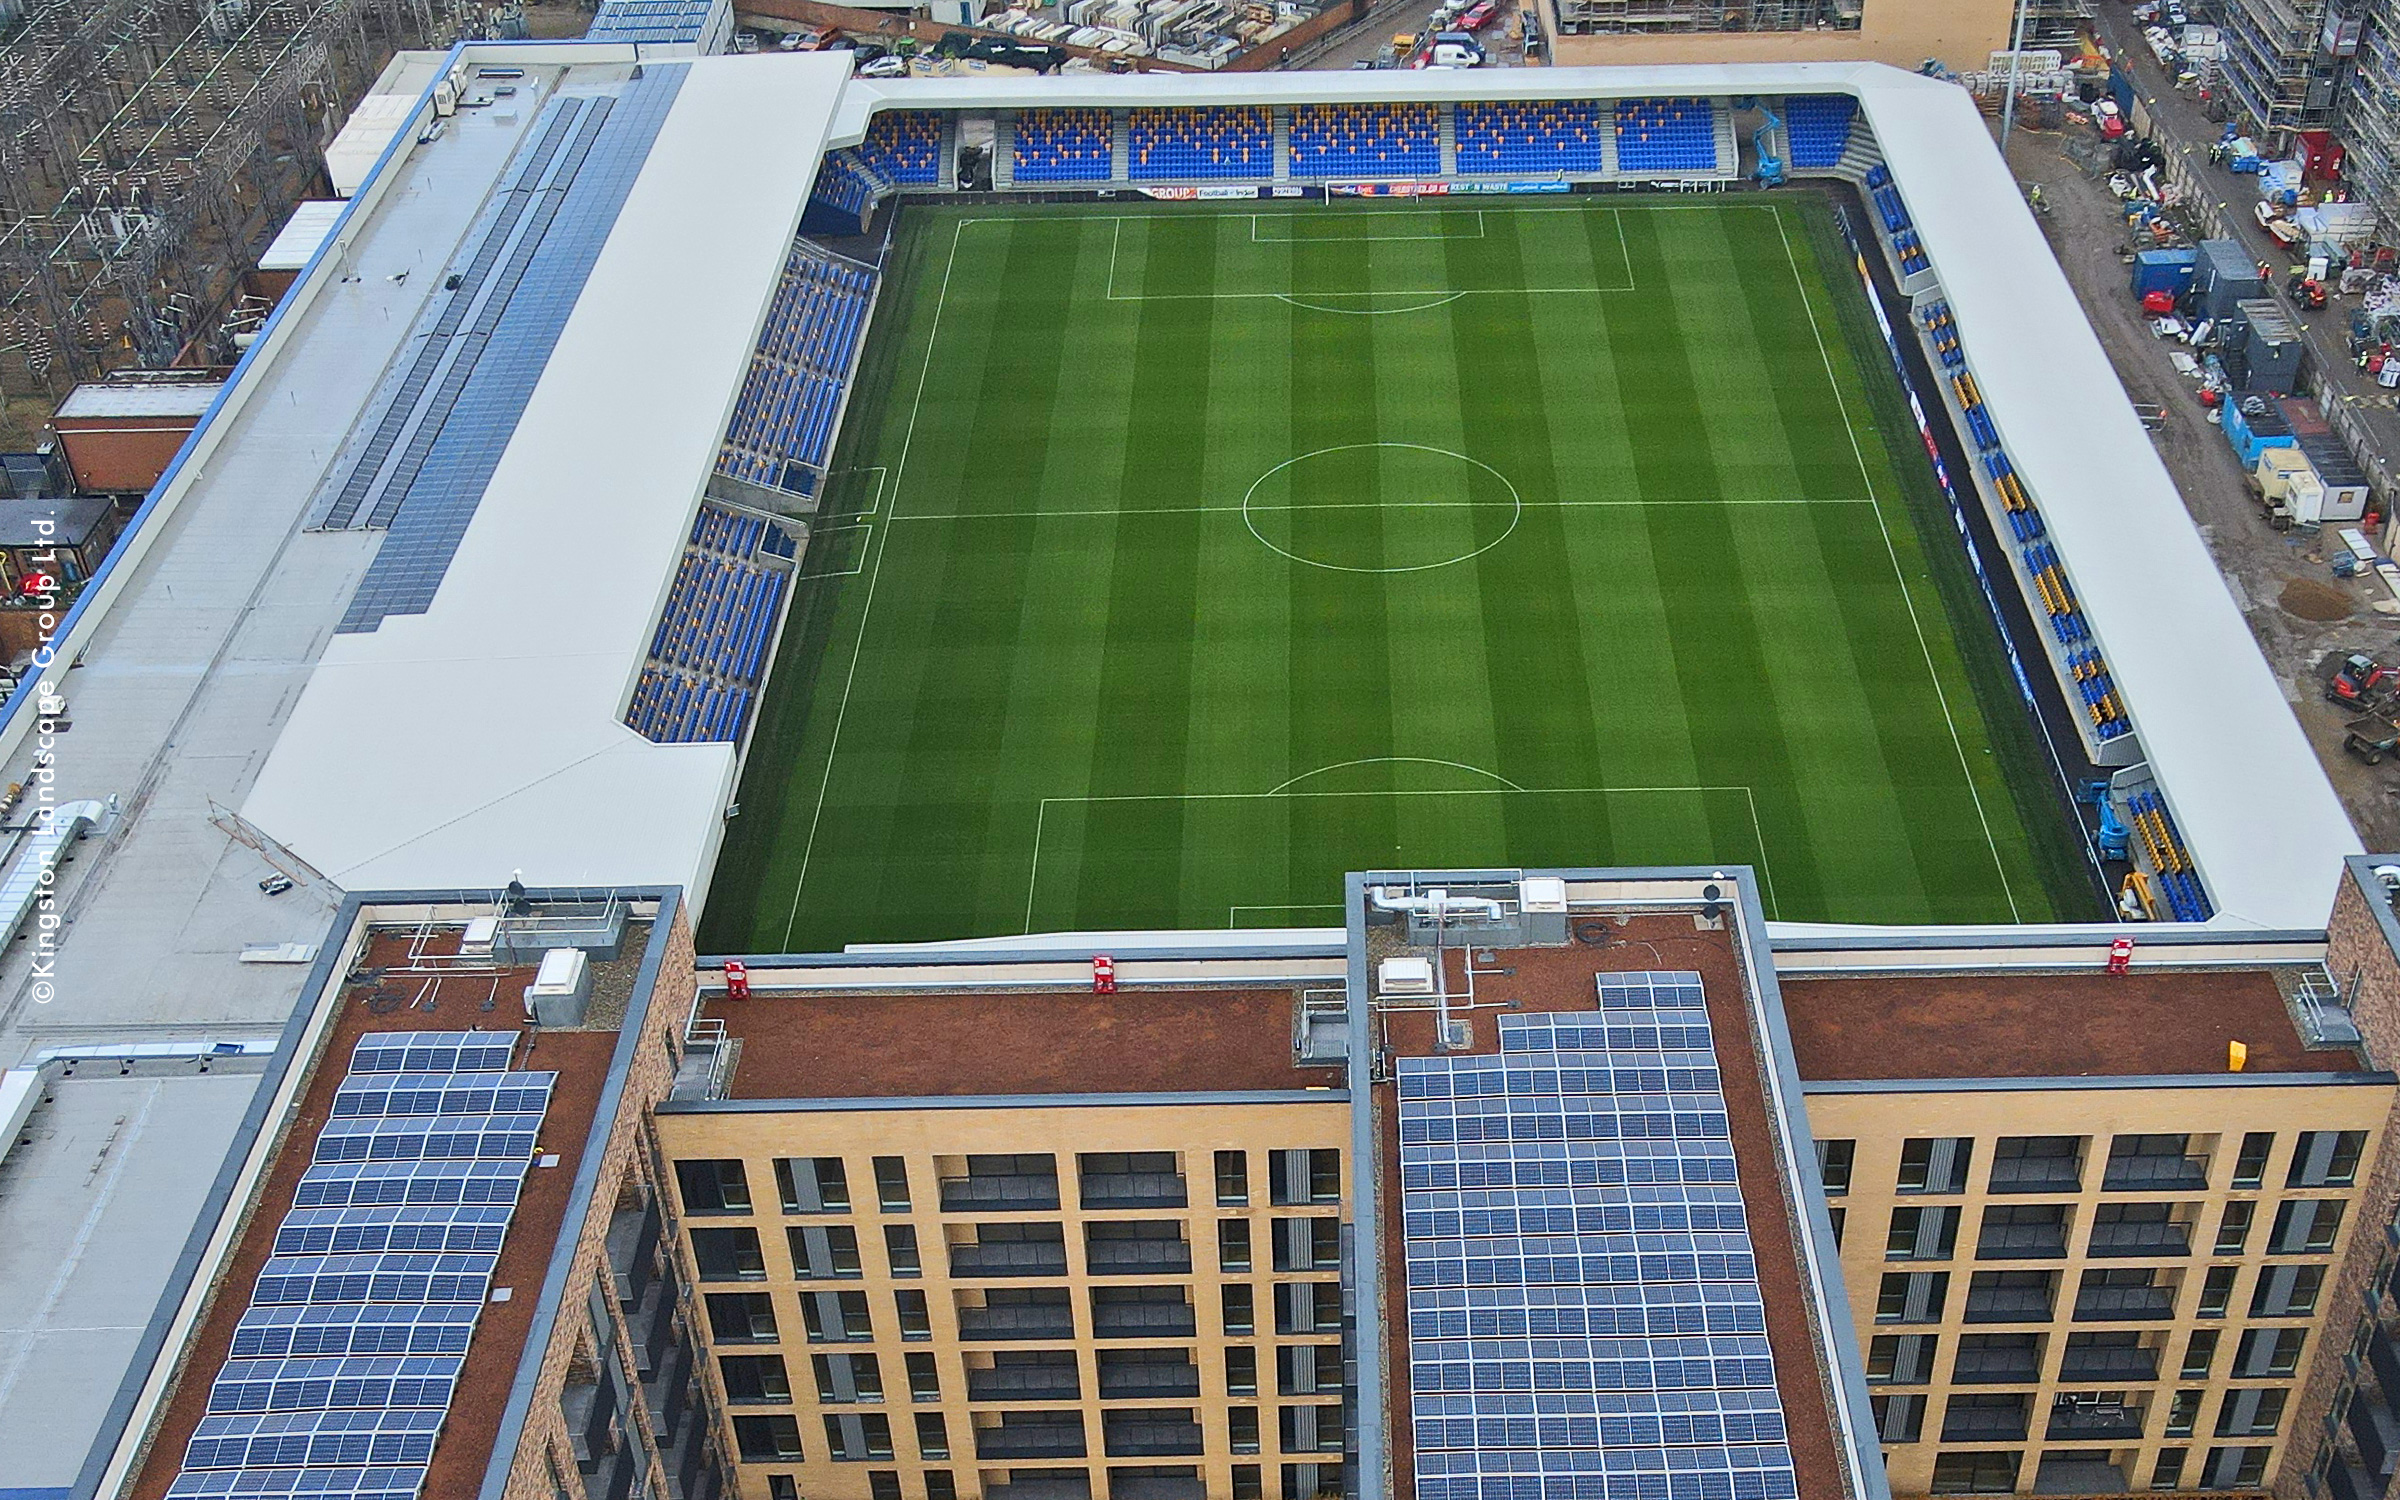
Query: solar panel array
x,y
1584,1314
649,21
343,1367
491,339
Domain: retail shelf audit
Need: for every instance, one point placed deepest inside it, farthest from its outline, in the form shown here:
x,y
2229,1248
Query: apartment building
x,y
1050,1245
2093,1282
1904,33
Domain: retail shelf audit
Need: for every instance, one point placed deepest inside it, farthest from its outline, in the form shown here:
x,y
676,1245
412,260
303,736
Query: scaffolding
x,y
2277,66
148,148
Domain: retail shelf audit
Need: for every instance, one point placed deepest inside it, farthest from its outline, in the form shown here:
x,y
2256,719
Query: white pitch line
x,y
1215,510
881,544
1899,575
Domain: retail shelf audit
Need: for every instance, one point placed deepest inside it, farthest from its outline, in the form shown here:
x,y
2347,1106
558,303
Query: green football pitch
x,y
1178,560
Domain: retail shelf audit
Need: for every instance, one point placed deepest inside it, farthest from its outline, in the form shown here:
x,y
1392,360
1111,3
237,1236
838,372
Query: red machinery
x,y
2120,956
737,979
1104,974
2358,678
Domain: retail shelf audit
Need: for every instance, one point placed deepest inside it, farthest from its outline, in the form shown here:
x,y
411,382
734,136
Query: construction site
x,y
150,148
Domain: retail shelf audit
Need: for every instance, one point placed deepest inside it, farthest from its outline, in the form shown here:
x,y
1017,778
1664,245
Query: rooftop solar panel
x,y
338,1328
401,1483
1573,1226
439,1138
374,1278
415,1094
266,1440
362,1184
433,1052
434,1228
369,1382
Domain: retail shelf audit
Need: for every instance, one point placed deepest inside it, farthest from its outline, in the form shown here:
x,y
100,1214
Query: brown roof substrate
x,y
851,1046
2044,1026
580,1058
1560,979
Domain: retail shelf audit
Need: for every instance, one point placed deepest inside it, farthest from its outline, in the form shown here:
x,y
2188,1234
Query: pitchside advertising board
x,y
1353,190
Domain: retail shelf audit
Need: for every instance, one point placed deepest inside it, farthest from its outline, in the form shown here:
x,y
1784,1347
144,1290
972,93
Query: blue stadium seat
x,y
1063,145
1666,135
904,146
1546,137
1183,145
1365,140
1817,128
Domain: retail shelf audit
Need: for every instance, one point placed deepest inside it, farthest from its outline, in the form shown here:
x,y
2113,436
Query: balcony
x,y
2165,1240
1008,1324
2037,1174
1042,1382
2008,1304
2124,1304
1147,1380
2007,1366
1983,1424
2022,1242
1065,1484
2074,1474
2095,1421
999,1192
2155,1174
1031,1437
974,1262
2131,1364
1160,1435
1115,1257
1156,1487
1143,1320
1134,1190
2376,1431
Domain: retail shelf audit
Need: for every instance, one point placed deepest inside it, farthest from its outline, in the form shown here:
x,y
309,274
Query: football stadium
x,y
805,587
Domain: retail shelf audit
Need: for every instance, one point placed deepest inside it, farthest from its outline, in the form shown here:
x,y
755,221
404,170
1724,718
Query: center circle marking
x,y
1250,510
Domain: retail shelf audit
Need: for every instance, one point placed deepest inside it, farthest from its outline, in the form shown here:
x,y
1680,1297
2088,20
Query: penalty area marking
x,y
1446,294
1233,914
1339,216
1041,817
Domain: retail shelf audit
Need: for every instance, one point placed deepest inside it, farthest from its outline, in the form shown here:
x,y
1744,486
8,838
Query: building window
x,y
728,1255
1834,1160
2306,1226
939,1485
2167,1473
1295,1177
782,1487
883,1484
2322,1158
769,1439
2199,1353
1935,1166
2253,1411
1899,1419
754,1378
2268,1353
924,1378
2153,1163
741,1317
1247,1484
891,1184
1241,1370
2022,1231
858,1437
1997,1359
1241,1425
2286,1291
2037,1164
847,1379
824,1252
1233,1245
2234,1468
1309,1429
2250,1167
2011,1296
2233,1229
2216,1291
1912,1297
1975,1473
1922,1233
1839,1215
933,1435
1998,1417
2183,1414
900,1248
1305,1307
1233,1179
915,1321
1310,1244
812,1184
836,1317
713,1187
1901,1358
1241,1314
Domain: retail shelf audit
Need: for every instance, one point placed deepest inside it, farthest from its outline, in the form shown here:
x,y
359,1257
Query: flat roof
x,y
2047,1025
50,520
140,399
309,227
410,981
864,1046
1515,983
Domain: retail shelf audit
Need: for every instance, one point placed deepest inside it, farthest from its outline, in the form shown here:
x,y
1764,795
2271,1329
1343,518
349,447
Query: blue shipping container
x,y
2164,271
2252,435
